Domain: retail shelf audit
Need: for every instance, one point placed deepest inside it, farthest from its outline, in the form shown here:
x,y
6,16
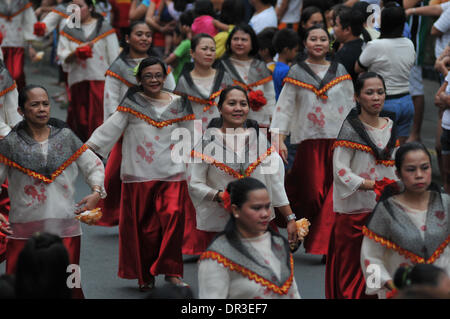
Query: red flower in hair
x,y
226,201
39,29
84,52
381,185
257,100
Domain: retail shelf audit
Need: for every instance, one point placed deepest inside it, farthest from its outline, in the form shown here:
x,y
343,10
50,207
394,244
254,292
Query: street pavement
x,y
100,247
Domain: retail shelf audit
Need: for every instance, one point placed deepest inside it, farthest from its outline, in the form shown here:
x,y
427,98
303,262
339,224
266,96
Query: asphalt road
x,y
99,252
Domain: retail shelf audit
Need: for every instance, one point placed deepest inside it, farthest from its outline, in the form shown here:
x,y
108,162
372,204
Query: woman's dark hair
x,y
393,20
232,12
95,15
224,93
42,269
419,274
359,83
218,121
240,188
149,62
253,39
306,15
405,149
196,40
203,8
128,31
23,94
7,290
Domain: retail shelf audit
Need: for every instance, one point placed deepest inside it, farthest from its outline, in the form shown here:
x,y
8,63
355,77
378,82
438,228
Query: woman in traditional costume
x,y
202,84
363,158
41,158
406,227
233,148
316,97
247,70
152,214
17,21
203,81
9,117
87,53
119,78
248,259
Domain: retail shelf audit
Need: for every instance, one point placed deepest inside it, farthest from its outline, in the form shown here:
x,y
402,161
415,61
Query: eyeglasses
x,y
149,76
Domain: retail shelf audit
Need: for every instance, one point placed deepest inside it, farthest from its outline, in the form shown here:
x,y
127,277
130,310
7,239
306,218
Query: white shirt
x,y
217,282
104,51
302,114
393,59
9,116
351,167
389,260
39,206
443,25
292,14
264,19
19,30
146,149
446,115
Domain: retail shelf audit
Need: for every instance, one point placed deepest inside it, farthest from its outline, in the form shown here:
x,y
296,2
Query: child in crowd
x,y
266,50
182,38
285,44
204,21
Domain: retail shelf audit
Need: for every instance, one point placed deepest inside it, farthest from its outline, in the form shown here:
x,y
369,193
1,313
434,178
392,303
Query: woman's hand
x,y
292,232
88,203
389,285
5,227
367,185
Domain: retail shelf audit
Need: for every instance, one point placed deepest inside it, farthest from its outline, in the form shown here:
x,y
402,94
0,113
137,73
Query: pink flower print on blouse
x,y
341,109
318,118
37,193
146,152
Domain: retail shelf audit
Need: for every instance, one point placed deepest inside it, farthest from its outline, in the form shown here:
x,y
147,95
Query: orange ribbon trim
x,y
208,103
320,93
71,38
153,122
115,75
41,177
365,148
248,87
9,18
65,16
283,290
12,87
413,257
228,169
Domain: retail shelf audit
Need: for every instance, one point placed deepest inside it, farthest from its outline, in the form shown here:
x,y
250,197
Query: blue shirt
x,y
278,75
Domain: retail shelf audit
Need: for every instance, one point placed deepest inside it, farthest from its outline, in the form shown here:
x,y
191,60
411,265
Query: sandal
x,y
176,281
147,286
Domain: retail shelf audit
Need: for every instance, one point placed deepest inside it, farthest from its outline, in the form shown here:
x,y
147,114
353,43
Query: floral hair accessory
x,y
256,100
226,201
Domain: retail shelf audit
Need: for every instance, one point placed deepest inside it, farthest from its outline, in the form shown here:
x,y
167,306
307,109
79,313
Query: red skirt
x,y
195,241
344,278
85,111
110,206
309,189
72,245
4,209
151,230
14,59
